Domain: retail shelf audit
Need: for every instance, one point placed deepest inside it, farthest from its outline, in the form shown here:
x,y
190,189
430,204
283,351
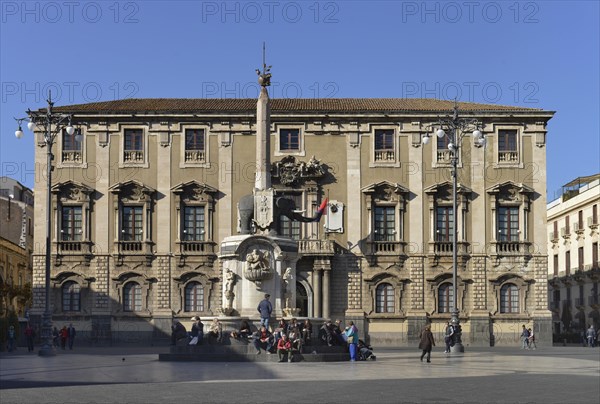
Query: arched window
x,y
509,298
194,297
132,297
445,298
71,296
384,298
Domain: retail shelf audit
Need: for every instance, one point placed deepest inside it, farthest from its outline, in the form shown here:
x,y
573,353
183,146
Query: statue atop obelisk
x,y
263,193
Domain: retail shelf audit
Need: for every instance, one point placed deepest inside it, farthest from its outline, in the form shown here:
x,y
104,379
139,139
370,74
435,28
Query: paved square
x,y
134,375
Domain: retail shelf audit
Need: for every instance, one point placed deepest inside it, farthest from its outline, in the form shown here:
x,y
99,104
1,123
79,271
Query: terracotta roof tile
x,y
341,105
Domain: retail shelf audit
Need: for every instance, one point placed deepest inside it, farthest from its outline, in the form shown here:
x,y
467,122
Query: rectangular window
x,y
72,147
555,264
567,225
384,145
385,223
595,255
133,146
555,230
508,224
132,228
291,228
580,220
508,151
568,262
193,223
580,258
289,139
444,154
195,151
71,223
595,214
444,227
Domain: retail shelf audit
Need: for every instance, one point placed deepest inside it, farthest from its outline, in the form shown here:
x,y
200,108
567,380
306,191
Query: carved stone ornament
x,y
263,208
291,172
72,192
257,267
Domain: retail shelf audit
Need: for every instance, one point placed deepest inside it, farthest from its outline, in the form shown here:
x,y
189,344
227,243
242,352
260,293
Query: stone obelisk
x,y
263,193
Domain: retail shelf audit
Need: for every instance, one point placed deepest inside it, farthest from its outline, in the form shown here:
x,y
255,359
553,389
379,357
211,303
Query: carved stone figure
x,y
258,266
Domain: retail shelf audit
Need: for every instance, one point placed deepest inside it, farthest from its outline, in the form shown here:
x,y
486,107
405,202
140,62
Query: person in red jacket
x,y
284,346
64,334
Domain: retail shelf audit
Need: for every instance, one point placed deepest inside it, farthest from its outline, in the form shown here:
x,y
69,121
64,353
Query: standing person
x,y
531,341
352,339
11,338
55,337
426,343
29,334
64,335
591,335
307,332
524,338
265,309
71,335
448,336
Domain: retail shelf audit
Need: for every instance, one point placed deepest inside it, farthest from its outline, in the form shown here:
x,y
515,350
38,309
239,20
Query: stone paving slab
x,y
123,375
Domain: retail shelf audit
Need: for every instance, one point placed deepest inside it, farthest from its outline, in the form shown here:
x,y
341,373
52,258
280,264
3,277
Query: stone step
x,y
247,348
251,357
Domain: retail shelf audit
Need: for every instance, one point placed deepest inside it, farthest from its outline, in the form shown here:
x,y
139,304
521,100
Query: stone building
x,y
16,246
573,272
147,193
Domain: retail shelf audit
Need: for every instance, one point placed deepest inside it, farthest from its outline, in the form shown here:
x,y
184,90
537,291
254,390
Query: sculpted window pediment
x,y
132,191
511,192
385,191
71,191
194,192
290,171
443,192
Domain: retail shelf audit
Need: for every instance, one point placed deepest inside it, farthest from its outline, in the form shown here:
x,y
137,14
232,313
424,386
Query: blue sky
x,y
540,54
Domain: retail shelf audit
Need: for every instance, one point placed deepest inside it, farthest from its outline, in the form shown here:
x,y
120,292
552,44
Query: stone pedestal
x,y
247,256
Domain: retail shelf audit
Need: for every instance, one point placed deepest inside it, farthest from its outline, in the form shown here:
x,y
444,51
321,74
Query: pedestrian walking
x,y
449,336
29,335
55,337
531,342
64,335
524,338
71,335
11,338
591,336
426,343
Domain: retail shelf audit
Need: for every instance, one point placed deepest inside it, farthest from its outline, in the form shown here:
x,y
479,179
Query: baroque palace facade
x,y
146,190
573,272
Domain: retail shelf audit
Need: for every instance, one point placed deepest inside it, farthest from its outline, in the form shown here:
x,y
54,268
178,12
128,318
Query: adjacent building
x,y
573,272
16,247
146,190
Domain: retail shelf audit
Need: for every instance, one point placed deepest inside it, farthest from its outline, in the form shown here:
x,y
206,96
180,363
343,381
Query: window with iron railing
x,y
133,146
289,140
508,151
384,145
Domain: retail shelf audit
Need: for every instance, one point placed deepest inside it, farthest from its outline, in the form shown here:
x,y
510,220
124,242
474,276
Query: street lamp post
x,y
51,124
454,129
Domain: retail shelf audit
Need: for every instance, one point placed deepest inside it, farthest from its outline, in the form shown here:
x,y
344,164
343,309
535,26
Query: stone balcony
x,y
316,247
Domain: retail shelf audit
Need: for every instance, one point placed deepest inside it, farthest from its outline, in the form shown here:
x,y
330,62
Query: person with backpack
x,y
524,338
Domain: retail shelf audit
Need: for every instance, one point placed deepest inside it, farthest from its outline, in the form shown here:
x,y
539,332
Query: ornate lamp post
x,y
454,129
51,124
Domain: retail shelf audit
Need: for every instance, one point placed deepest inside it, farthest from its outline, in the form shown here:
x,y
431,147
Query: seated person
x,y
263,339
197,330
282,328
243,332
326,333
295,339
215,330
365,351
294,324
307,332
178,332
284,347
340,336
